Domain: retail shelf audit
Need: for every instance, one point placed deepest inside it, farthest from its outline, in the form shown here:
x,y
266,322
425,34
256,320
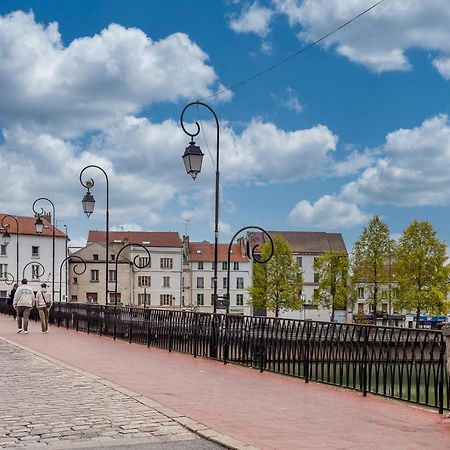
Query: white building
x,y
35,255
198,273
156,285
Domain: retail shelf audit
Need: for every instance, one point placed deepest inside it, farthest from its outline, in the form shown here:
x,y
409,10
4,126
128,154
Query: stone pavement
x,y
45,405
267,411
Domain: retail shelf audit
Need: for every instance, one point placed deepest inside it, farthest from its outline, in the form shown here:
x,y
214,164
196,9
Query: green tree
x,y
277,284
371,259
421,270
333,290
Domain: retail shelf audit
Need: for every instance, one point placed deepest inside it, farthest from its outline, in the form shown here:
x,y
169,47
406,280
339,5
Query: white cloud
x,y
288,99
253,19
380,39
354,162
93,81
413,171
127,227
329,212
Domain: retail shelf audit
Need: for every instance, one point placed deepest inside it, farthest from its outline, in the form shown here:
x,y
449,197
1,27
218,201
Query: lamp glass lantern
x,y
6,237
39,225
193,157
88,203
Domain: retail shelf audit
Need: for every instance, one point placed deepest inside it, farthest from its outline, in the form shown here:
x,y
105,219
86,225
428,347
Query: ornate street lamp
x,y
6,238
38,275
74,268
192,158
88,203
39,226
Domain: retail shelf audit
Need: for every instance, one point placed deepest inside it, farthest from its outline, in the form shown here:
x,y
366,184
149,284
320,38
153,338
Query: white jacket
x,y
24,296
41,297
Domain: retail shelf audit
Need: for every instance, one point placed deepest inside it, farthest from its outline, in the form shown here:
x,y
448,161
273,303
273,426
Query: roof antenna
x,y
186,224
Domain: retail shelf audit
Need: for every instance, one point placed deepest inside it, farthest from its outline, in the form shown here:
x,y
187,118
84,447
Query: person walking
x,y
10,300
44,302
23,302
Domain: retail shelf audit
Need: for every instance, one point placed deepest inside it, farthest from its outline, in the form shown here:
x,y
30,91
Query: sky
x,y
356,126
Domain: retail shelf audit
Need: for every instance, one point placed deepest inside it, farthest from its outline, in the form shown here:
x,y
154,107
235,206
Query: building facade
x,y
153,281
306,246
35,256
198,277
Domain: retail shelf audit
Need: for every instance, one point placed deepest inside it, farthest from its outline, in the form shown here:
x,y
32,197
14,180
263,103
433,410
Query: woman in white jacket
x,y
23,302
44,302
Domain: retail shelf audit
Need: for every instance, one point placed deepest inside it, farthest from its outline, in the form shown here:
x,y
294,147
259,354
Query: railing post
x,y
130,331
170,330
445,351
262,353
364,361
195,334
225,340
114,321
59,313
306,358
100,319
88,316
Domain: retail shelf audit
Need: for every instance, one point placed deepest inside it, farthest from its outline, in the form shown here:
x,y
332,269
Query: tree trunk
x,y
418,318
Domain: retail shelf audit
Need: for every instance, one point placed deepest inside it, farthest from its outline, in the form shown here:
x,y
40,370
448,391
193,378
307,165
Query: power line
x,y
293,55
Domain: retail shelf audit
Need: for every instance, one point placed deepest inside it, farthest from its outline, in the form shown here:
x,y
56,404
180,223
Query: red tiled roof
x,y
155,238
309,241
26,226
204,251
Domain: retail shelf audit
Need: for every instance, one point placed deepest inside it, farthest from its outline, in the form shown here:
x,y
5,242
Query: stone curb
x,y
196,427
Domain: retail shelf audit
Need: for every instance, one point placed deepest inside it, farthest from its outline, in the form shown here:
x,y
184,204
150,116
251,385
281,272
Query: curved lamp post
x,y
39,225
74,268
88,203
39,275
192,158
251,253
8,281
132,263
6,238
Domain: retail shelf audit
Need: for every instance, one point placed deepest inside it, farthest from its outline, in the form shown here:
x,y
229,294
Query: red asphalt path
x,y
266,410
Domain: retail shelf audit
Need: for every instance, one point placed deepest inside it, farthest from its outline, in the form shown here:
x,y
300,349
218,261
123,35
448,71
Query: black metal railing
x,y
401,363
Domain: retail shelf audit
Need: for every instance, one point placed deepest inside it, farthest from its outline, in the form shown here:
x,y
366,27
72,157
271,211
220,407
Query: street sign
x,y
221,303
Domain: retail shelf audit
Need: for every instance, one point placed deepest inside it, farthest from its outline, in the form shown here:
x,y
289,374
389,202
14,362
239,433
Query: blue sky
x,y
354,127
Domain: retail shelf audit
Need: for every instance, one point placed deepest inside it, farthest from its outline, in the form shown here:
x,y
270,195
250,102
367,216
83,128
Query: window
x,y
3,250
360,292
75,280
235,266
384,294
200,265
112,275
113,257
35,251
3,270
212,299
316,277
145,281
74,298
94,276
212,282
394,293
95,257
300,261
113,299
239,283
360,308
316,294
144,262
224,266
200,299
35,273
3,294
166,263
239,299
384,307
144,299
224,282
91,297
166,281
165,299
200,283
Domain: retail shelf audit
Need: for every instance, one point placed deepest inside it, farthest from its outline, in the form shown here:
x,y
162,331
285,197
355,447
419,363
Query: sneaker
x,y
25,332
19,330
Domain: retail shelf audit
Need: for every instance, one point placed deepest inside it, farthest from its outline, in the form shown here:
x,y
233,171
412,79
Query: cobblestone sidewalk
x,y
44,405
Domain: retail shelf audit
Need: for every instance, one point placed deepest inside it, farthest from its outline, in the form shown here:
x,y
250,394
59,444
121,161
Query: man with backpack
x,y
23,302
44,302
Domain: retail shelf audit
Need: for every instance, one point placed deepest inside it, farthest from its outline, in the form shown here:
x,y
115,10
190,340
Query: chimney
x,y
47,216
